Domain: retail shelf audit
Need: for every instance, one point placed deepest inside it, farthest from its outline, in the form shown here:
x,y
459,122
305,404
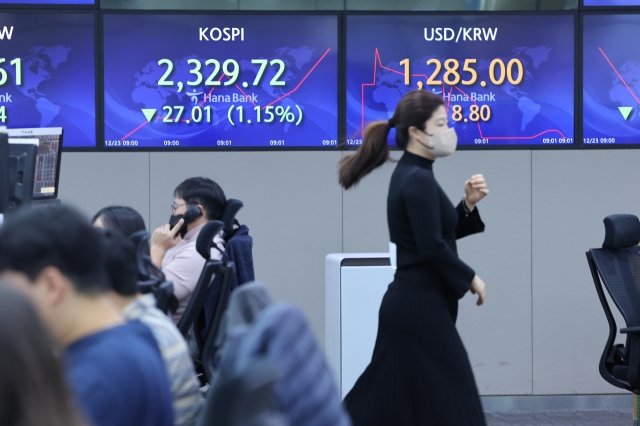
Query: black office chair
x,y
224,275
617,266
204,244
243,398
238,248
150,277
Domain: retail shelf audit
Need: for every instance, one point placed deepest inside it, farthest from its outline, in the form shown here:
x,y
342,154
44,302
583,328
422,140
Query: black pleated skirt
x,y
419,372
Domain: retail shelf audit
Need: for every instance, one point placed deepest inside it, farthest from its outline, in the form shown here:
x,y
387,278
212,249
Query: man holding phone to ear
x,y
196,201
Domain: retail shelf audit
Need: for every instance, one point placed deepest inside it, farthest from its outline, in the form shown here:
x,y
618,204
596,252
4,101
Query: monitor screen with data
x,y
220,81
506,80
47,172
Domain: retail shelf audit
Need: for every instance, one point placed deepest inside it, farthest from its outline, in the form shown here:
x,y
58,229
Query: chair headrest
x,y
621,231
205,237
231,209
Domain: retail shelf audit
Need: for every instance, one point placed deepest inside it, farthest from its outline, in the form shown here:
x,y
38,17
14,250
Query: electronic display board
x,y
506,80
47,2
48,74
223,81
611,79
605,3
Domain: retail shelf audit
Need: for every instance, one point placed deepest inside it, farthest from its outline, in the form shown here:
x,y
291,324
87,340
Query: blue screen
x,y
510,78
611,78
47,1
49,62
220,81
611,2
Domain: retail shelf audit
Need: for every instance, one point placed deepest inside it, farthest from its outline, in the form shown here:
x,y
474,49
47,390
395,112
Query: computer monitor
x,y
22,162
47,169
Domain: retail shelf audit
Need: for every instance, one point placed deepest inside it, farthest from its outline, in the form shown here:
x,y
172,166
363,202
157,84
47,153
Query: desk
x,y
354,287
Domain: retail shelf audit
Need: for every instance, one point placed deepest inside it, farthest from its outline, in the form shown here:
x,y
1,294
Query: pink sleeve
x,y
184,270
185,267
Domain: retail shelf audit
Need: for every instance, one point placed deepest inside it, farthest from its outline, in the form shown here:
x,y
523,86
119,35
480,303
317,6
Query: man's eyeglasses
x,y
174,206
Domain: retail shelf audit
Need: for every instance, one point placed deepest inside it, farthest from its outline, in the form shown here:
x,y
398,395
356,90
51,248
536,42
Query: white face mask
x,y
442,144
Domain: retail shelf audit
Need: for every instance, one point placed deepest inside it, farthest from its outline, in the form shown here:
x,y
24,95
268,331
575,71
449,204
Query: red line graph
x,y
377,61
301,81
241,91
619,76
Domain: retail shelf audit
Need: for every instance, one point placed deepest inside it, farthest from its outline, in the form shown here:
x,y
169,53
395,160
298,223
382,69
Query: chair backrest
x,y
243,398
239,250
208,346
616,266
305,393
204,244
245,304
231,209
216,299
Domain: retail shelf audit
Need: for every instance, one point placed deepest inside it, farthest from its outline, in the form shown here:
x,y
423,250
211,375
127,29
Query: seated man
x,y
114,368
173,246
122,274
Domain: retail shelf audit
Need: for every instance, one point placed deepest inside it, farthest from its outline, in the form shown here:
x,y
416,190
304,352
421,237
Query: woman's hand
x,y
479,287
475,189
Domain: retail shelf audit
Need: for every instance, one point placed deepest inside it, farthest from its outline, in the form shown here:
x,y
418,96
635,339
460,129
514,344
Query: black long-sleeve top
x,y
424,225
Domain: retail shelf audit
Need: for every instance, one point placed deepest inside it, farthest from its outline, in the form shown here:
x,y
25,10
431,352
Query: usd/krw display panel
x,y
505,79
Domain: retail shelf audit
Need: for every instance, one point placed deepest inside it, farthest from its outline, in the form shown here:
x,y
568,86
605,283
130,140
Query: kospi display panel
x,y
505,79
224,81
611,80
48,74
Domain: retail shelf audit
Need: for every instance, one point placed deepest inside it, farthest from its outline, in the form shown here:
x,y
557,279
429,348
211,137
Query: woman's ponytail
x,y
373,153
413,110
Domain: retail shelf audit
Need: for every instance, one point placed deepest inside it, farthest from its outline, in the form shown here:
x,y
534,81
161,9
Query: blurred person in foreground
x,y
122,273
114,368
33,390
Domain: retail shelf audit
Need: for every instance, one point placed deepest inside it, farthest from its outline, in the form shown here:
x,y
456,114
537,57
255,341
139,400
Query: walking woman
x,y
419,373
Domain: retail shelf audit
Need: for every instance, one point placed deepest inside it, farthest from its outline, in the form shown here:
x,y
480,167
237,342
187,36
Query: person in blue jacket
x,y
114,368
